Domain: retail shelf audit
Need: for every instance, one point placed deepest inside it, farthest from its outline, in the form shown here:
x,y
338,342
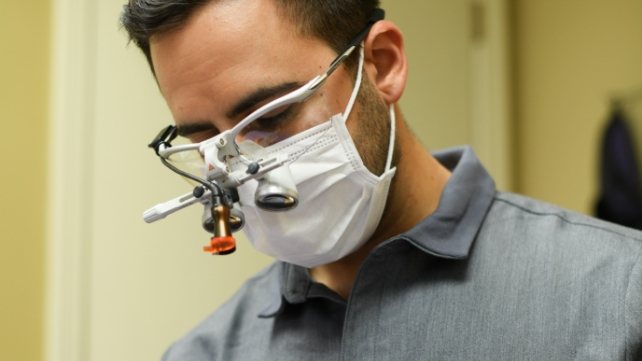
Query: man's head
x,y
223,59
333,21
219,54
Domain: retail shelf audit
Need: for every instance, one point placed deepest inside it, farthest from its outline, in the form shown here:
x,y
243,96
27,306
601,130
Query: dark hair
x,y
334,21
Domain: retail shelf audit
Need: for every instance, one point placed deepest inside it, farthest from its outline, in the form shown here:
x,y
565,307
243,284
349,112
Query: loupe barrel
x,y
236,219
276,191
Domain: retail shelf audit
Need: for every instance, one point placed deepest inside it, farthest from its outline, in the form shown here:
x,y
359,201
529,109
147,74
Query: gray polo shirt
x,y
488,276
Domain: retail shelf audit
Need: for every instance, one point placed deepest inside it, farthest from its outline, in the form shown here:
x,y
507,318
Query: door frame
x,y
67,301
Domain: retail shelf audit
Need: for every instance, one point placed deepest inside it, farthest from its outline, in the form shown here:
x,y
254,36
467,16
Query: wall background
x,y
24,81
571,58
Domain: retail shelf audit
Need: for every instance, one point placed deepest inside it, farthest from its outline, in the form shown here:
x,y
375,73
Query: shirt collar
x,y
447,233
294,283
450,231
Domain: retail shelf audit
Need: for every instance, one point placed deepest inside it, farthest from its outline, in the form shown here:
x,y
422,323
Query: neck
x,y
414,195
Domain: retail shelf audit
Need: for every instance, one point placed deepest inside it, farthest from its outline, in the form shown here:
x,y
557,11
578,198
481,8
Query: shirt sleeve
x,y
633,307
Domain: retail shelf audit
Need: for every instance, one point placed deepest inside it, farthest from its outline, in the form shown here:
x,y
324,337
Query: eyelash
x,y
263,123
203,135
275,120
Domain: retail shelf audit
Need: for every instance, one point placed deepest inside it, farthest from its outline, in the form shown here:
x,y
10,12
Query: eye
x,y
196,132
271,121
202,136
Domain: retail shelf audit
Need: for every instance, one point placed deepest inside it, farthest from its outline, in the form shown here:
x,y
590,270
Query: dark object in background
x,y
620,198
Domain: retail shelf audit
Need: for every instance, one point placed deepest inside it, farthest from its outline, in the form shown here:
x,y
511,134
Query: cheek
x,y
369,126
319,109
336,93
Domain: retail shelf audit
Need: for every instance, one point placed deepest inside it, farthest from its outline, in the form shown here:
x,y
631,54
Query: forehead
x,y
229,47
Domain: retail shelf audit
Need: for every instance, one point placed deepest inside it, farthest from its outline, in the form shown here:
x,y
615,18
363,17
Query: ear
x,y
385,60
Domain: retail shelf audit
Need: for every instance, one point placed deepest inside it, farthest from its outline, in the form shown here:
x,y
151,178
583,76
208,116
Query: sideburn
x,y
370,128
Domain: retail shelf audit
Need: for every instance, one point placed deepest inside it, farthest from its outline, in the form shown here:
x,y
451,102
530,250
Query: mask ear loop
x,y
392,114
393,131
357,86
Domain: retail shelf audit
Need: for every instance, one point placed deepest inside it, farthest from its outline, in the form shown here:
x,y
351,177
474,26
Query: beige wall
x,y
436,100
24,65
570,57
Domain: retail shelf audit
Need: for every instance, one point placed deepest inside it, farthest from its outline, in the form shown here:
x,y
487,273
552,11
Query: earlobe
x,y
385,60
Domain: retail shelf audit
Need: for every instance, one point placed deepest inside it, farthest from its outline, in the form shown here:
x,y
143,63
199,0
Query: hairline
x,y
282,10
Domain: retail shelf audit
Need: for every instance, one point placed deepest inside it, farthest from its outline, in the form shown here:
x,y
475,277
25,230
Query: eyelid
x,y
281,114
189,130
277,112
202,135
287,89
194,132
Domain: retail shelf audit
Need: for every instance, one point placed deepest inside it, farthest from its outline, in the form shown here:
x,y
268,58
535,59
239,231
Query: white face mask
x,y
340,201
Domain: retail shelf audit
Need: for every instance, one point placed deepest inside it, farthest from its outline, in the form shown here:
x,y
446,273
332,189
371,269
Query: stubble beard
x,y
371,133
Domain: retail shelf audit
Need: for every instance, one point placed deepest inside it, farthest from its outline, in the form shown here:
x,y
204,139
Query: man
x,y
450,269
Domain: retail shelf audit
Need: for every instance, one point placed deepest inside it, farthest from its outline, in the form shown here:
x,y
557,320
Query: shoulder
x,y
552,245
591,267
559,239
549,223
237,319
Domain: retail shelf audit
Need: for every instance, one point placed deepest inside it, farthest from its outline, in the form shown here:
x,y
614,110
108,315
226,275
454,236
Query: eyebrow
x,y
244,105
259,96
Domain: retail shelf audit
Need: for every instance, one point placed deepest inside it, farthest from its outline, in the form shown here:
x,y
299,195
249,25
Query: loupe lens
x,y
276,201
276,191
189,161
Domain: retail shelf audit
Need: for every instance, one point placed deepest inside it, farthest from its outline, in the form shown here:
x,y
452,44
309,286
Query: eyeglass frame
x,y
162,142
